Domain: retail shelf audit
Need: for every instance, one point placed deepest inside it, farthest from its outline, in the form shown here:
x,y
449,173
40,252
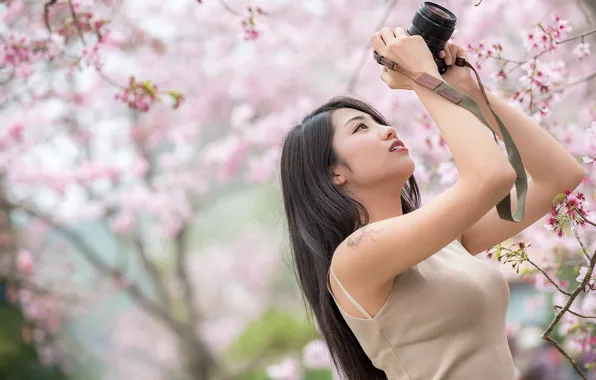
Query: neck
x,y
381,203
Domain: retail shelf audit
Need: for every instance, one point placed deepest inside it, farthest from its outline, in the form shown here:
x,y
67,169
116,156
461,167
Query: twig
x,y
230,9
188,291
549,278
581,243
76,22
366,52
93,258
576,314
592,31
568,86
46,14
152,271
588,221
564,309
566,355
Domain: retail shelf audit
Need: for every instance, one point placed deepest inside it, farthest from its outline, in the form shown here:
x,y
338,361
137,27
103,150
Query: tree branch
x,y
574,313
46,14
76,22
591,31
549,278
152,272
366,53
566,355
93,258
187,289
564,309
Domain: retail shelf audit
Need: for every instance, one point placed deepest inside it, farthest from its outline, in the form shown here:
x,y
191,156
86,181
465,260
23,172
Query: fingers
x,y
400,32
448,56
451,53
388,35
378,43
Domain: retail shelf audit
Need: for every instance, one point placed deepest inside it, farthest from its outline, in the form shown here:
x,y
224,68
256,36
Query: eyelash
x,y
358,126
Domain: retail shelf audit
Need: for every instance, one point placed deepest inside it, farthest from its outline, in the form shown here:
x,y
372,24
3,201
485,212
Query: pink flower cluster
x,y
545,37
20,52
538,81
483,52
138,96
568,208
249,25
582,50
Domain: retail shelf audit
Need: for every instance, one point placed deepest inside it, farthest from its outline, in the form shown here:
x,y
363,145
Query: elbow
x,y
574,177
497,179
504,179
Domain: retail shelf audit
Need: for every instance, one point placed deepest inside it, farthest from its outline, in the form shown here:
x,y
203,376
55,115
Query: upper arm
x,y
380,251
491,230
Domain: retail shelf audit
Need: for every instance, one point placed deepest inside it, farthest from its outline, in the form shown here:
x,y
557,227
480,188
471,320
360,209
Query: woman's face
x,y
365,146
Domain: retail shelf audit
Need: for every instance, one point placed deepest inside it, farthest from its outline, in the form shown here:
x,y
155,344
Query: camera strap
x,y
459,98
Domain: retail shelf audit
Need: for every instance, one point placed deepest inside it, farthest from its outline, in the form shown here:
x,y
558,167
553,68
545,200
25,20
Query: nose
x,y
388,133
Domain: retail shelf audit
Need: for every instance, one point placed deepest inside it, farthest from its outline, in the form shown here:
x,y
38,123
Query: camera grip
x,y
441,65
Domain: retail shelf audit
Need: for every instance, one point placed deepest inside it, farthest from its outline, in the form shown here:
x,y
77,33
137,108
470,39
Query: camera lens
x,y
435,24
439,12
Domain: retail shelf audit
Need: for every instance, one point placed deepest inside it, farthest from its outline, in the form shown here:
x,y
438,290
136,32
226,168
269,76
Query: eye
x,y
358,127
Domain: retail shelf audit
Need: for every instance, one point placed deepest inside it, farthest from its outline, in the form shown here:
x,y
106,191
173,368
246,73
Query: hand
x,y
461,78
410,52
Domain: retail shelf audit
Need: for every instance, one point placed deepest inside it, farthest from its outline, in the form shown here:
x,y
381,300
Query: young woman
x,y
394,287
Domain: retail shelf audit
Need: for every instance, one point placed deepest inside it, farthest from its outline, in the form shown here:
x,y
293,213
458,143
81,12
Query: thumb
x,y
385,75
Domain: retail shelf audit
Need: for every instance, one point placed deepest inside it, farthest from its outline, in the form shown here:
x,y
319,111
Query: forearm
x,y
474,151
544,158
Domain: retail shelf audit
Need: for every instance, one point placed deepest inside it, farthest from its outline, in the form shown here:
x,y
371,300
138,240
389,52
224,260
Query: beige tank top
x,y
444,319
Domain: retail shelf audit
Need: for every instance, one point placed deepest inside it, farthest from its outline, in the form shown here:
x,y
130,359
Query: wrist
x,y
429,76
469,86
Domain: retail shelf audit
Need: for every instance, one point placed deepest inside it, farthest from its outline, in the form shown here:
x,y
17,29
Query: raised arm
x,y
376,253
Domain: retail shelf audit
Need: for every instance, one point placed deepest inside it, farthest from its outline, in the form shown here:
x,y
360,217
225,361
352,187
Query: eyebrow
x,y
359,117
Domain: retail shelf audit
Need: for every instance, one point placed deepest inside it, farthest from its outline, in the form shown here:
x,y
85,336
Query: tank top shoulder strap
x,y
352,300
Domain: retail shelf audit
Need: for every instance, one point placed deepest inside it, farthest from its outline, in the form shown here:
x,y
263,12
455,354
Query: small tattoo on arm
x,y
356,238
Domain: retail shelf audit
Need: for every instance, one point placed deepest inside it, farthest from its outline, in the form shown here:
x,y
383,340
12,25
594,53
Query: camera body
x,y
435,24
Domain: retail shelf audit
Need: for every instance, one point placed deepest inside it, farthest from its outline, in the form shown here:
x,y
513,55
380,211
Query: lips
x,y
396,145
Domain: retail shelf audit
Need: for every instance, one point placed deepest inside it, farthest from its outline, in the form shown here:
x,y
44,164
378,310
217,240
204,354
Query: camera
x,y
435,24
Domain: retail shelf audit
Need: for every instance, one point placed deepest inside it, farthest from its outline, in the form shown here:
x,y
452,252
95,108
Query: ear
x,y
338,179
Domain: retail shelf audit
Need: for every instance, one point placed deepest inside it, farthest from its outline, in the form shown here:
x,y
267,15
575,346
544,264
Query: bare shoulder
x,y
376,253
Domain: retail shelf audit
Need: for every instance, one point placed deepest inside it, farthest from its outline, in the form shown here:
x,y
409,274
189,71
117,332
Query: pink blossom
x,y
122,223
25,261
315,355
582,50
287,369
591,284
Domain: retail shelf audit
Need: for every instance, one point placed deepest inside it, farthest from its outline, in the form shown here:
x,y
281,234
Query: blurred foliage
x,y
276,333
19,361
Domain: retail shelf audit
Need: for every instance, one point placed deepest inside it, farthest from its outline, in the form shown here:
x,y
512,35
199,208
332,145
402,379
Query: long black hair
x,y
319,217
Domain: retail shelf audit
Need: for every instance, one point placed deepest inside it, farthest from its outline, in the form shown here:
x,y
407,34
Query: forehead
x,y
343,115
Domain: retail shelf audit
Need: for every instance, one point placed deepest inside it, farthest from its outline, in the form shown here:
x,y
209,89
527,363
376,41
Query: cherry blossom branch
x,y
366,51
567,208
76,22
576,314
152,271
566,355
94,259
592,31
549,278
567,86
188,291
564,309
230,9
581,243
46,14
